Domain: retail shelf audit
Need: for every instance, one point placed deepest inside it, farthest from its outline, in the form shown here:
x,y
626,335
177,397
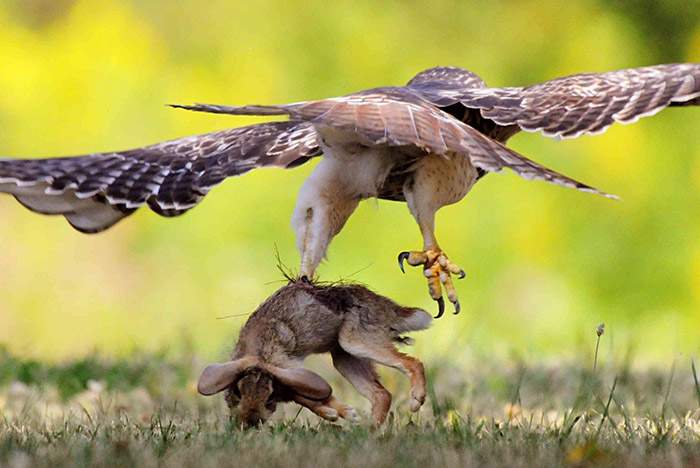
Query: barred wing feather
x,y
95,191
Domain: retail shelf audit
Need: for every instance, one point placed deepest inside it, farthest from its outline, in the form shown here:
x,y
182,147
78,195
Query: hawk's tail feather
x,y
492,156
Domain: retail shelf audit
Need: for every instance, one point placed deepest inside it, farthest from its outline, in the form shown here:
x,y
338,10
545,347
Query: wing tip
x,y
190,107
589,189
232,110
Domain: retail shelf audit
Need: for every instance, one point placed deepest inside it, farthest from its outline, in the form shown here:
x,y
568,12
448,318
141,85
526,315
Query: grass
x,y
144,411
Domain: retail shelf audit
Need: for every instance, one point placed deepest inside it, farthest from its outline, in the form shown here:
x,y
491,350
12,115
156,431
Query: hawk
x,y
426,144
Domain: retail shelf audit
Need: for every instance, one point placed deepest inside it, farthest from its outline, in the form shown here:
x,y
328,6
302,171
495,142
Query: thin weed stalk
x,y
695,378
607,409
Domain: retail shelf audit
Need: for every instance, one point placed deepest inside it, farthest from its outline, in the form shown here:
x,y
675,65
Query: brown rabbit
x,y
358,328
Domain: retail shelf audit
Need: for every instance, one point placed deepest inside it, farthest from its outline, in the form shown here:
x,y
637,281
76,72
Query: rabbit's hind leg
x,y
384,352
361,374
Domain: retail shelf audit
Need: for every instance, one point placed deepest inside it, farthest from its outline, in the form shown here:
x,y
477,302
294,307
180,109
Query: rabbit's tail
x,y
412,319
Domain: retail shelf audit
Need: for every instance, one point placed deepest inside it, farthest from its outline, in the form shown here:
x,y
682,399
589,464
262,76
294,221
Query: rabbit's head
x,y
255,387
252,397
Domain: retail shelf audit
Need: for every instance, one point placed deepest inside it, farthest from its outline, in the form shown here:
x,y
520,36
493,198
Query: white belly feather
x,y
351,172
438,181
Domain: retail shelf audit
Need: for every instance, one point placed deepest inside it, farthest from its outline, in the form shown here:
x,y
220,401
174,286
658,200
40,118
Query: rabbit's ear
x,y
304,382
217,377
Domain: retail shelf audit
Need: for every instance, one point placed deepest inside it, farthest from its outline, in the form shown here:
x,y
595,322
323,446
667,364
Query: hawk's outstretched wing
x,y
570,106
440,110
400,117
93,192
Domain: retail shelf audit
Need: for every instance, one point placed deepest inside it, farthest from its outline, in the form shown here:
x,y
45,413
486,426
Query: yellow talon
x,y
438,269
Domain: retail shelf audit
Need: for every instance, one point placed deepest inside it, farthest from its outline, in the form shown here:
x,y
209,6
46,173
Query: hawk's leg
x,y
436,267
438,181
321,211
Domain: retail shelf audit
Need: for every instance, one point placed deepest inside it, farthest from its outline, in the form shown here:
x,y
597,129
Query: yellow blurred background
x,y
544,264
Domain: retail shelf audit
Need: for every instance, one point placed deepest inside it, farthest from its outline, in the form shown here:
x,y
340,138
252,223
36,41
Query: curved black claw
x,y
305,279
403,256
458,308
441,308
462,274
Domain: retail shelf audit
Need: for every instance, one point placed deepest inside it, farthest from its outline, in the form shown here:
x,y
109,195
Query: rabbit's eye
x,y
271,403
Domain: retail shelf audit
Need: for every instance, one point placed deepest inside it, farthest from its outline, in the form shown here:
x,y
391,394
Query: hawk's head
x,y
461,78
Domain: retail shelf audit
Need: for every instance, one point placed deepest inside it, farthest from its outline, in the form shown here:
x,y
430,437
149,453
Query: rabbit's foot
x,y
416,399
438,269
330,409
348,413
327,413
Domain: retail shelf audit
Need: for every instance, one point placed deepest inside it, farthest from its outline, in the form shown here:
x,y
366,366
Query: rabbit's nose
x,y
252,420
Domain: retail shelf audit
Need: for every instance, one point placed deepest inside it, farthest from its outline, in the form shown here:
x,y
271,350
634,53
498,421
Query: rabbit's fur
x,y
358,328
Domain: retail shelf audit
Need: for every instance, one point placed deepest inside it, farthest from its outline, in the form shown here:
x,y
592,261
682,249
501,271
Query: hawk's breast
x,y
445,179
438,181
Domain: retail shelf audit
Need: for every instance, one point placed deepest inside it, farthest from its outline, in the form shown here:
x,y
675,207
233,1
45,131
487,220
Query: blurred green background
x,y
544,264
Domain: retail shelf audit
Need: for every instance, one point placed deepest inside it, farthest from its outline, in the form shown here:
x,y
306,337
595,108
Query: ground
x,y
142,410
